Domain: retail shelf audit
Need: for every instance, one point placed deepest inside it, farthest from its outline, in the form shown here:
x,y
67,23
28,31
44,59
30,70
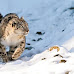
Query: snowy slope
x,y
51,22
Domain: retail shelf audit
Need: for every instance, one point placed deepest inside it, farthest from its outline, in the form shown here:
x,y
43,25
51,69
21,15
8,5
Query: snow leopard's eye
x,y
17,28
14,23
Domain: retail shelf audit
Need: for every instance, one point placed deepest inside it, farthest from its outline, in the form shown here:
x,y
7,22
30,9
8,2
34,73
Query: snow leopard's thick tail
x,y
1,16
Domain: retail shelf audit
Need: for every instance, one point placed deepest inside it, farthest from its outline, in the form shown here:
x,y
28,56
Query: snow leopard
x,y
12,33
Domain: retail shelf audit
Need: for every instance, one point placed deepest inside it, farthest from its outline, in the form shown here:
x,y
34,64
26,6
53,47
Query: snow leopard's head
x,y
20,26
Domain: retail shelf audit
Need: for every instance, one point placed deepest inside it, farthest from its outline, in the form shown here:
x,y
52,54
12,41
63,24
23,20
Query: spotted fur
x,y
12,33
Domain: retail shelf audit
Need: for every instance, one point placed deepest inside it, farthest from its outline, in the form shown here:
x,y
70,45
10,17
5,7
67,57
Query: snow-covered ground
x,y
51,22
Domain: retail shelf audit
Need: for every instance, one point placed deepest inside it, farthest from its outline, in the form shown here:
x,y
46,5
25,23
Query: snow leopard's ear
x,y
22,18
8,17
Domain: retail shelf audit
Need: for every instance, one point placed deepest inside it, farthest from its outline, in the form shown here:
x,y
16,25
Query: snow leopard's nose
x,y
27,31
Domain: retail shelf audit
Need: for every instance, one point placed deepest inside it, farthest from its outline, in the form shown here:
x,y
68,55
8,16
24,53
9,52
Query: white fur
x,y
12,39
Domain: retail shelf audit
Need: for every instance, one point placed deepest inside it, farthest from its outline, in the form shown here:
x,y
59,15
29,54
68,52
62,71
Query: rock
x,y
54,47
63,30
40,33
67,72
71,8
33,40
29,48
39,39
62,61
28,43
43,58
58,55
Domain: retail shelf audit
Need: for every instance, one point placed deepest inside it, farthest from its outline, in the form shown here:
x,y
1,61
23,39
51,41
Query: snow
x,y
55,20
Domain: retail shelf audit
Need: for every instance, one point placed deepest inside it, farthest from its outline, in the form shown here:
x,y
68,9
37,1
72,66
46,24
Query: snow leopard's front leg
x,y
3,53
15,52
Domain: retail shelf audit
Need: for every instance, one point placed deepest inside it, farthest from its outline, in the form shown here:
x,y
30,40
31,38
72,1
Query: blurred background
x,y
50,21
7,6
